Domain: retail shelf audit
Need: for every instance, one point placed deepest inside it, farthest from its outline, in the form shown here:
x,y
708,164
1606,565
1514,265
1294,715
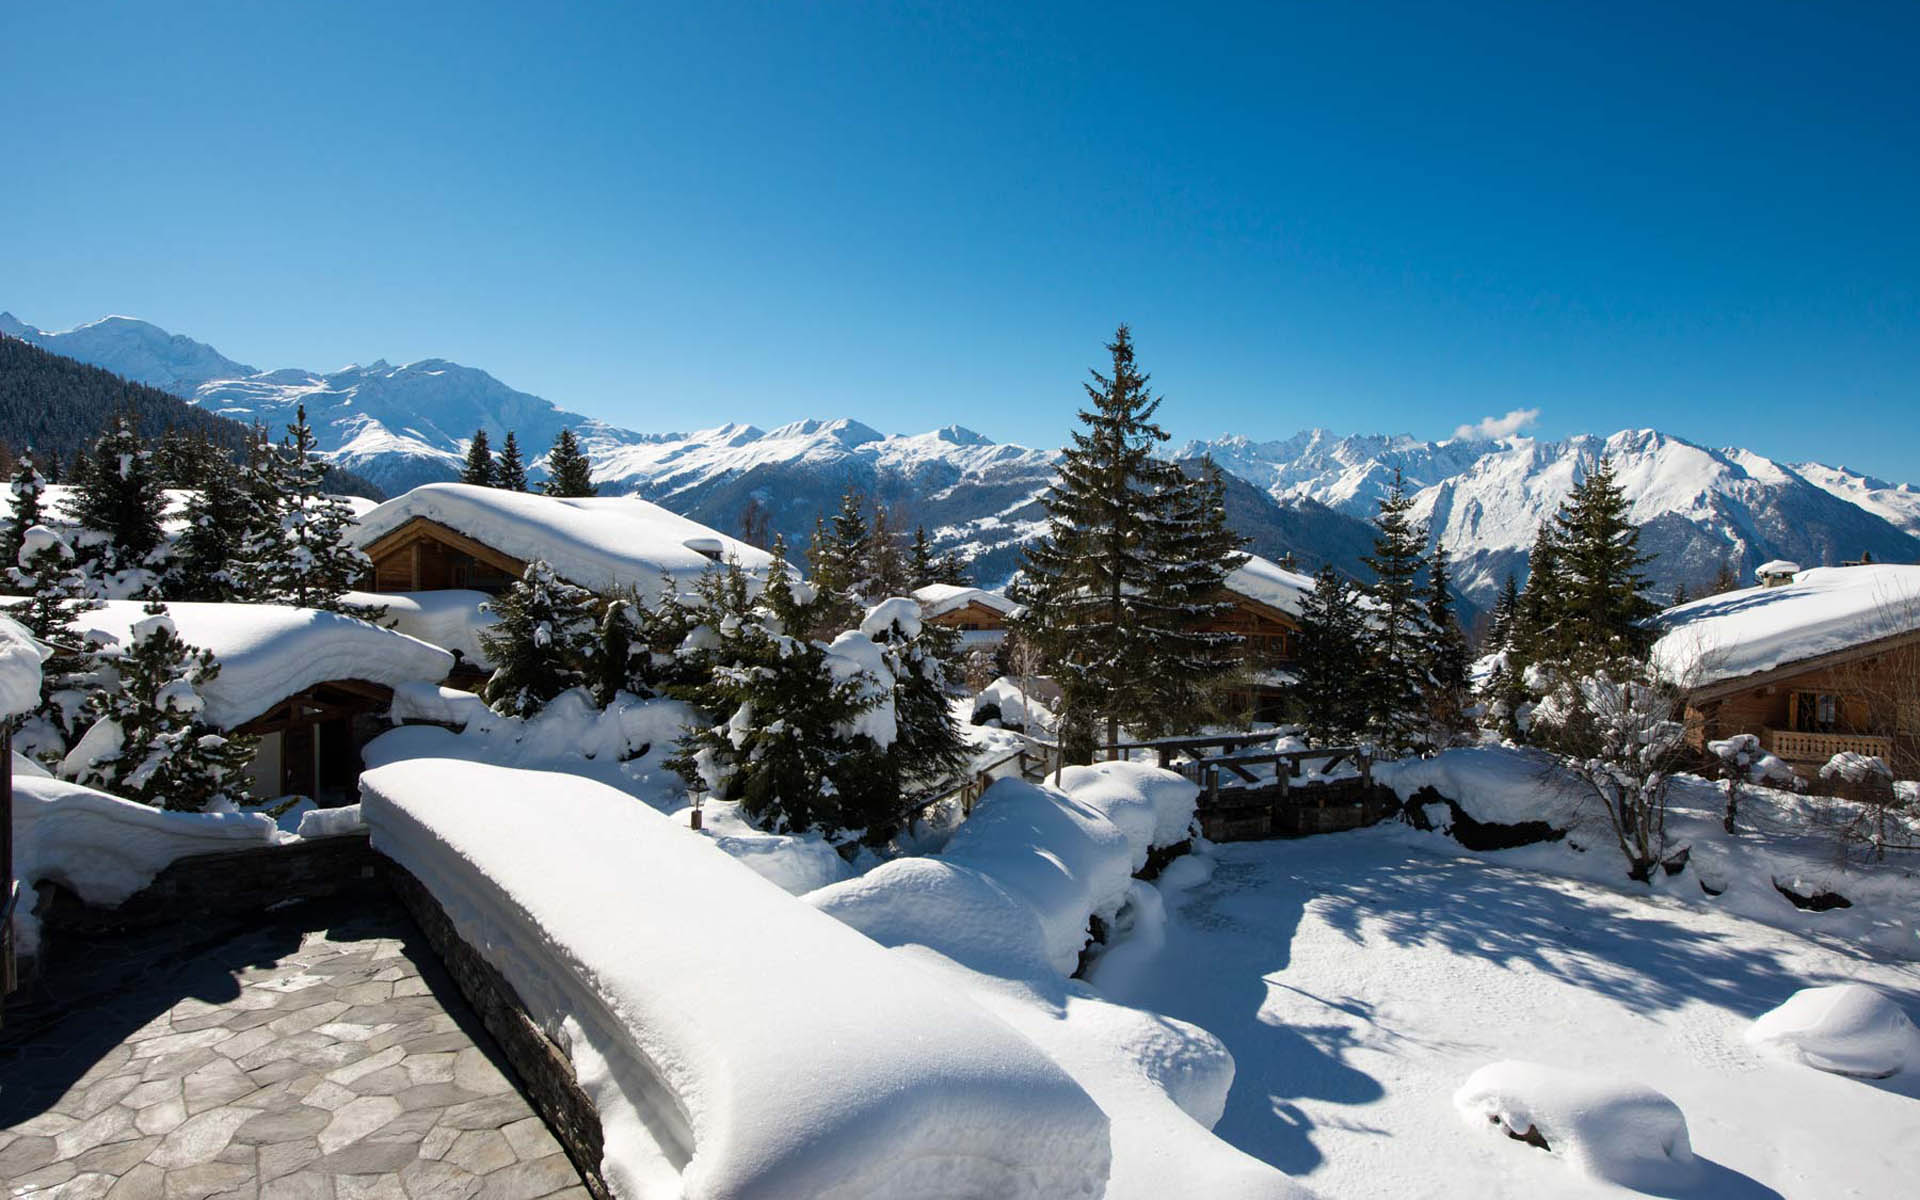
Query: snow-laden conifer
x,y
542,642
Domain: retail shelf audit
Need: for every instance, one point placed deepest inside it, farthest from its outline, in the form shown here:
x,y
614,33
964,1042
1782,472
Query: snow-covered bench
x,y
735,1042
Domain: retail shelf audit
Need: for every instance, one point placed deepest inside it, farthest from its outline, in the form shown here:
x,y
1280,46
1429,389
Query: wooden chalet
x,y
1824,663
456,536
313,687
1266,616
979,615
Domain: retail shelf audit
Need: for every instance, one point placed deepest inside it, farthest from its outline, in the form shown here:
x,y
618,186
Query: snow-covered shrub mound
x,y
1002,700
1495,785
797,865
1848,1028
1152,807
105,848
959,910
19,669
735,1043
1623,1133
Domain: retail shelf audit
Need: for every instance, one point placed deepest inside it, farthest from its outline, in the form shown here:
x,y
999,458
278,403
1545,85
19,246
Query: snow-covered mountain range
x,y
1308,495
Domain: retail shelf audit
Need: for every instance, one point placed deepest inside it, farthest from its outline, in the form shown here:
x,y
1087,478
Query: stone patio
x,y
278,1064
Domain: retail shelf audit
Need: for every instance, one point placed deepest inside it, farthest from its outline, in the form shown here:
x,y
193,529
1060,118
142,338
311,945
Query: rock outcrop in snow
x,y
1620,1132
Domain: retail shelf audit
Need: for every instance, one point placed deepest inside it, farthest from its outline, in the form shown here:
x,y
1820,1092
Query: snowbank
x,y
1004,911
602,543
450,619
19,669
1623,1133
1497,785
105,848
1848,1028
1027,712
1735,634
268,652
331,822
704,1009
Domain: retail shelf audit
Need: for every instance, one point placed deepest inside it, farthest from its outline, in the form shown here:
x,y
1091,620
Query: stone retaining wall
x,y
545,1074
1251,815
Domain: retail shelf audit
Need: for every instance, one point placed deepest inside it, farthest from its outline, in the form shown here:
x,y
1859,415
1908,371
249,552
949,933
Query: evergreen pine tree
x,y
1094,583
148,741
1726,579
479,469
1396,677
296,551
542,643
1193,551
884,570
117,504
1603,604
789,747
55,592
836,559
1327,691
928,747
953,569
512,473
1506,611
29,492
922,567
569,473
1537,618
1446,655
205,554
1680,595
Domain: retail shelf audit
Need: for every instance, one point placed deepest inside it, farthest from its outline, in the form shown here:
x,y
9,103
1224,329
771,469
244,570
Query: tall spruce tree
x,y
148,740
1094,584
569,472
1327,692
922,567
1603,604
479,469
512,473
1536,622
542,643
884,569
1446,655
1192,660
836,557
1506,611
1396,677
928,747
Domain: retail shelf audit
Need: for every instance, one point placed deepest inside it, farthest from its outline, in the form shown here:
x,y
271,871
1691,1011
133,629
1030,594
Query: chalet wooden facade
x,y
1270,639
1813,663
1864,699
423,555
310,742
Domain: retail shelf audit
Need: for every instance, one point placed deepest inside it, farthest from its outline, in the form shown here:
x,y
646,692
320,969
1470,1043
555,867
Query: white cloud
x,y
1488,428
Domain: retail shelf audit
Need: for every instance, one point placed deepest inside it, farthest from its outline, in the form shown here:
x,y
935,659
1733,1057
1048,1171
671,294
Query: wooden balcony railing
x,y
1796,745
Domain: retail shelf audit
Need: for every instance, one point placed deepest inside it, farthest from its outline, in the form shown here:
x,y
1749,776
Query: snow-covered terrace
x,y
1824,611
269,652
603,543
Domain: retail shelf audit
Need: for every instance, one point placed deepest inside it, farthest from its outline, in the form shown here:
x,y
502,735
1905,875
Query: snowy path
x,y
1360,978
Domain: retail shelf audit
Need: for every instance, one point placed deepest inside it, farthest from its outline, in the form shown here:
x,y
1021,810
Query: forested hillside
x,y
54,405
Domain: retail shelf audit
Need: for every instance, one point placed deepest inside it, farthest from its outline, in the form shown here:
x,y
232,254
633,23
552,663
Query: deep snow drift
x,y
735,1042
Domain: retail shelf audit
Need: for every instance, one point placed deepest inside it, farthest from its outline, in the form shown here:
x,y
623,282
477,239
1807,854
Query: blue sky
x,y
1372,218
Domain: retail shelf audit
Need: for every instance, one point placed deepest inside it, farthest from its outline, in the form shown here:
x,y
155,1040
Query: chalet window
x,y
1816,712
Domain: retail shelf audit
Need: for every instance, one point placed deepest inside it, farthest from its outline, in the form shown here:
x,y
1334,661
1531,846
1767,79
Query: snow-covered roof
x,y
268,652
1824,610
1777,566
451,618
938,598
1270,583
602,543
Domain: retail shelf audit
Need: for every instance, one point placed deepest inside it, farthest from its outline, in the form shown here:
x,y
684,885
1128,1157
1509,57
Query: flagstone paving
x,y
279,1065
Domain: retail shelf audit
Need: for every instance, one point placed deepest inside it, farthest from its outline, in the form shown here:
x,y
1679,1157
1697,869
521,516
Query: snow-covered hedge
x,y
736,1043
1019,880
